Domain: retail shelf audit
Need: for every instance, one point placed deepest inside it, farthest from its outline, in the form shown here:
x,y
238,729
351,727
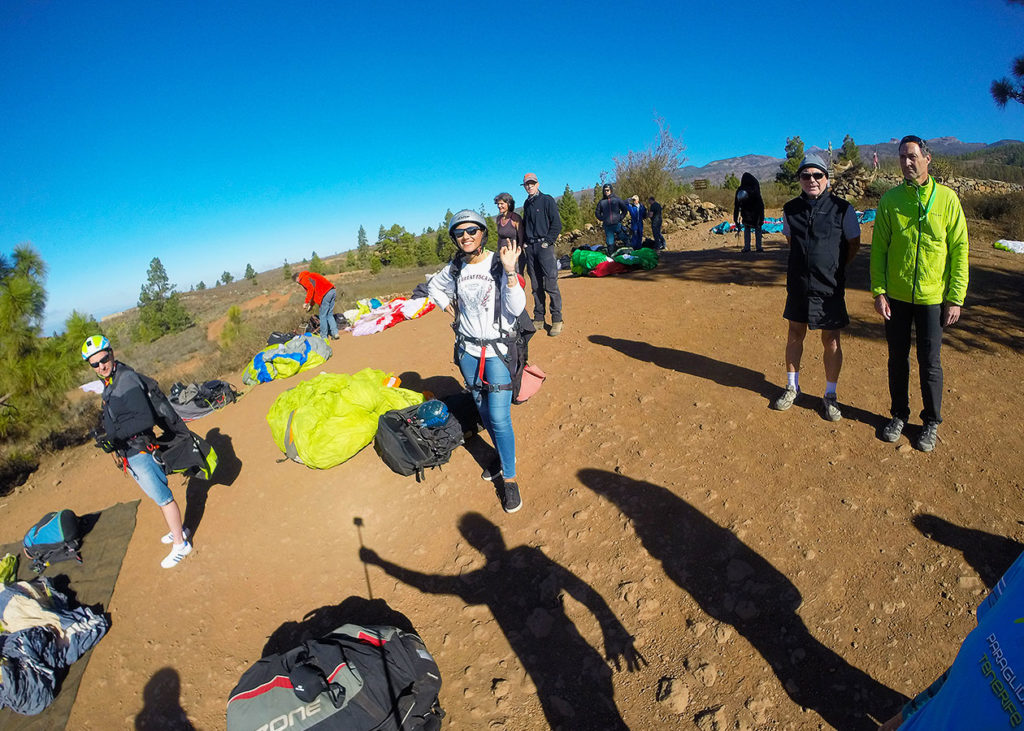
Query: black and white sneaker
x,y
510,498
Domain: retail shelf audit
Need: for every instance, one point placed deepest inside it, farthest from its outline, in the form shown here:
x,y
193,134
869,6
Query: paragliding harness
x,y
516,341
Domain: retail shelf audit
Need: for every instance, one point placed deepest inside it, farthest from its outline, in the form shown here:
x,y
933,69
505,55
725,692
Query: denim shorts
x,y
151,477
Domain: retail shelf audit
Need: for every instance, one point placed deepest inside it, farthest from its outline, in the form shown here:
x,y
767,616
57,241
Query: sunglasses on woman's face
x,y
808,176
102,361
468,231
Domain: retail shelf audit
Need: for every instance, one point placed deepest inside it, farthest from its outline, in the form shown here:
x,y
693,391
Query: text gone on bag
x,y
355,678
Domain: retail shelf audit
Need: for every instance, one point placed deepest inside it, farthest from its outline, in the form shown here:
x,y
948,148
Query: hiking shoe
x,y
930,435
176,555
490,474
169,538
786,400
892,431
538,325
556,329
830,407
510,498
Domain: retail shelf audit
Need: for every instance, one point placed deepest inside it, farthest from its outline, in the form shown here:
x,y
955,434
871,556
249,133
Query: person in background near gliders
x,y
479,333
132,405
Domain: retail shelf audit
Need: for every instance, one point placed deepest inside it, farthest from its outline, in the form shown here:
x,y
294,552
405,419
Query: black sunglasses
x,y
468,231
808,176
102,361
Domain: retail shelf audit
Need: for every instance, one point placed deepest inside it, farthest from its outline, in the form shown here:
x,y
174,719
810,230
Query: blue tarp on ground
x,y
774,225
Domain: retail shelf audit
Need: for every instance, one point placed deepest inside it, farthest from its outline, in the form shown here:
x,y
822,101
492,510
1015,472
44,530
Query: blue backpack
x,y
56,537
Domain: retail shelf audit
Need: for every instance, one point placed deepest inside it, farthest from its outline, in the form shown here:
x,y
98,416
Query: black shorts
x,y
819,313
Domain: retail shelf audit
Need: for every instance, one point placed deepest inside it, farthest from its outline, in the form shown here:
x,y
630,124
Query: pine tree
x,y
226,278
443,242
849,152
794,155
731,182
569,210
34,373
316,265
286,270
201,286
250,273
160,310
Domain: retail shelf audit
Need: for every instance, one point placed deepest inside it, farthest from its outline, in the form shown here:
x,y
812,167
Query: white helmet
x,y
94,344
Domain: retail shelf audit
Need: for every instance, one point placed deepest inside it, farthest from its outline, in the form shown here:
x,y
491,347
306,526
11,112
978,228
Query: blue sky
x,y
213,135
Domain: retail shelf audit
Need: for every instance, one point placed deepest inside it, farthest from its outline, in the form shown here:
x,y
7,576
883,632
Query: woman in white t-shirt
x,y
485,295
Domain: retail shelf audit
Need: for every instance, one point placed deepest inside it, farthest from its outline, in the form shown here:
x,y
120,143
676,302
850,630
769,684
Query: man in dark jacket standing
x,y
542,225
610,212
823,235
654,211
750,210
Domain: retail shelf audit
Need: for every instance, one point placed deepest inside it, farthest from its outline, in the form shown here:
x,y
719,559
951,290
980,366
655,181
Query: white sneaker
x,y
169,538
176,555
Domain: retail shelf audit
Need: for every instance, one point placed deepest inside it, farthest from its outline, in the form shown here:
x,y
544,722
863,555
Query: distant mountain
x,y
764,167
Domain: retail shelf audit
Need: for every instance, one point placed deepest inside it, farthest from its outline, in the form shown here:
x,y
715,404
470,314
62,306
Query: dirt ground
x,y
743,568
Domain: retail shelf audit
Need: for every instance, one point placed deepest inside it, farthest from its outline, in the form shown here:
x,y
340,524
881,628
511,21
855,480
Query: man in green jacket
x,y
919,280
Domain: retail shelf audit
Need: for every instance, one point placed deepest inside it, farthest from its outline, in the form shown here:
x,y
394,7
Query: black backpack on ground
x,y
55,538
355,678
516,341
409,448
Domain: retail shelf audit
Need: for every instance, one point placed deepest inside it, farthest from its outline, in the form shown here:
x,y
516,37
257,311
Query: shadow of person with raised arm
x,y
161,703
725,374
990,555
733,584
523,589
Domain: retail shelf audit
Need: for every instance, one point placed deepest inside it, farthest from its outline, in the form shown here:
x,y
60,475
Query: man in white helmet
x,y
132,405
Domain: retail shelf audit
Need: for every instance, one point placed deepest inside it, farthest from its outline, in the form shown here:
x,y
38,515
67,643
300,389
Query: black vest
x,y
817,245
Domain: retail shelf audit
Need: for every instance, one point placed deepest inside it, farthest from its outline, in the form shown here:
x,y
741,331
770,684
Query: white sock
x,y
793,379
830,388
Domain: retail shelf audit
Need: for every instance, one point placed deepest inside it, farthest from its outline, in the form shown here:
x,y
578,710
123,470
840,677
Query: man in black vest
x,y
824,236
542,224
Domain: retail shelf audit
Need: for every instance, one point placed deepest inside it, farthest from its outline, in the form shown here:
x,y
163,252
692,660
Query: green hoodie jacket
x,y
919,246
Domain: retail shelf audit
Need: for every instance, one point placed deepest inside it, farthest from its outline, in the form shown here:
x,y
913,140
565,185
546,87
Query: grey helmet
x,y
467,215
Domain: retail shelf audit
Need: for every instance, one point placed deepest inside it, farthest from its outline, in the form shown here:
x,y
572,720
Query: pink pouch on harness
x,y
533,377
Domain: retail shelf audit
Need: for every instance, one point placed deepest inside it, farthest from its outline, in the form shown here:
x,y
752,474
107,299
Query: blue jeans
x,y
610,232
495,407
151,477
328,327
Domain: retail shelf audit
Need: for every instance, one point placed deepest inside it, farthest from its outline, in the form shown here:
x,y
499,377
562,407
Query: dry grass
x,y
1005,212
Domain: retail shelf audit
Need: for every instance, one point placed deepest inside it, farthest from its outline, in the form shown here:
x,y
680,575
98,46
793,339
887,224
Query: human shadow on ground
x,y
323,620
989,555
161,703
733,584
728,375
440,386
198,491
523,589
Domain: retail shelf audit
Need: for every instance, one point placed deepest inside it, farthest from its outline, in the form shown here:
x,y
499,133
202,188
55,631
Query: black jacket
x,y
132,405
541,220
749,203
817,245
610,211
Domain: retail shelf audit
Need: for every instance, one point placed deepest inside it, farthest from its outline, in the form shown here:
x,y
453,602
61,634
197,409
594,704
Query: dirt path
x,y
775,570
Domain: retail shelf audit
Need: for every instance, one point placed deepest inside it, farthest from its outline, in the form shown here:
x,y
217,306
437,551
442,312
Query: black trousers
x,y
542,267
659,240
926,321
